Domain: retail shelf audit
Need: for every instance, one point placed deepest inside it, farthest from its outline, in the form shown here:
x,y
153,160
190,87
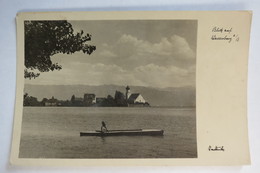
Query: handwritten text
x,y
216,148
224,34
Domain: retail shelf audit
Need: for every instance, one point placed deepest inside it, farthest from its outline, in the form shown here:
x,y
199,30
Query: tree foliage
x,y
30,100
120,99
43,39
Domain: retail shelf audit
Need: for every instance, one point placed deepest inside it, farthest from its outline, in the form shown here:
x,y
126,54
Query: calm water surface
x,y
53,132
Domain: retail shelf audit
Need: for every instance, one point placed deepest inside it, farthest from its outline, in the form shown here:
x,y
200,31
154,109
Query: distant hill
x,y
182,96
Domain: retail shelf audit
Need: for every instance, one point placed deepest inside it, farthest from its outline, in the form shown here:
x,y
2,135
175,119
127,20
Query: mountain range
x,y
165,97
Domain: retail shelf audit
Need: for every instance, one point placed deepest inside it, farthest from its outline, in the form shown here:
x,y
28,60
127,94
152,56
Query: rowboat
x,y
132,132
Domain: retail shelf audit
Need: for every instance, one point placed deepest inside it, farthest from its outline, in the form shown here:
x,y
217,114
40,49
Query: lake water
x,y
53,132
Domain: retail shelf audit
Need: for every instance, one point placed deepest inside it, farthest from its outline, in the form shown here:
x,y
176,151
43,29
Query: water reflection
x,y
103,139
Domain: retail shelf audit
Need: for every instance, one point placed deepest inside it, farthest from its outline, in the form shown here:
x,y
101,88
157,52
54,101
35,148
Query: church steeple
x,y
127,94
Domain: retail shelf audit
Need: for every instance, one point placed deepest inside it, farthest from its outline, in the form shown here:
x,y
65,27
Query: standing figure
x,y
103,127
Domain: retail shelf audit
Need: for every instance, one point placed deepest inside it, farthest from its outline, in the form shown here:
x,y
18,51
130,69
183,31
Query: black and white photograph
x,y
128,86
131,89
109,89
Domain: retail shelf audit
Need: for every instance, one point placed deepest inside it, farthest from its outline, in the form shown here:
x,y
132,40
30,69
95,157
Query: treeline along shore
x,y
90,100
105,95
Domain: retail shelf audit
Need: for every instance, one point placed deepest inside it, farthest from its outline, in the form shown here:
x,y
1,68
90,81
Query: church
x,y
134,98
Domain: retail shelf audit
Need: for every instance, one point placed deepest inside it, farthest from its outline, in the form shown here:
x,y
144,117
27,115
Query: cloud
x,y
176,46
87,74
170,62
107,53
130,52
161,76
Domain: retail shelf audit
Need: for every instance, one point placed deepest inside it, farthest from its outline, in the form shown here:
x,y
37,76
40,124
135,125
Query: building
x,y
100,100
51,102
89,99
135,98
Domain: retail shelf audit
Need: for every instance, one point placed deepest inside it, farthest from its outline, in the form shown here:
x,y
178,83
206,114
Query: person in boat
x,y
103,127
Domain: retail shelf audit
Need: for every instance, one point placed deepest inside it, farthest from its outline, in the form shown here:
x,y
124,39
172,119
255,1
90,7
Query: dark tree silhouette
x,y
120,99
30,101
72,98
43,39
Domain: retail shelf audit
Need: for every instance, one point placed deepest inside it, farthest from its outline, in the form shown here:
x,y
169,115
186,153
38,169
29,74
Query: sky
x,y
152,53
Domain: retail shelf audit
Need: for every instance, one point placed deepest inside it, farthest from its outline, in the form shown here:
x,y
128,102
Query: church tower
x,y
127,93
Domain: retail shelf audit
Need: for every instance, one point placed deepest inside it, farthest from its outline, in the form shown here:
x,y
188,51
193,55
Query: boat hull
x,y
149,132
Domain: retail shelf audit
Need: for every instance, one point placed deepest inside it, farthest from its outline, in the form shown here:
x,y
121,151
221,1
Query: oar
x,y
121,130
127,130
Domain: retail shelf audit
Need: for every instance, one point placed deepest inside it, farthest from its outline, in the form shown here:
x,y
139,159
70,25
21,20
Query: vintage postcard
x,y
131,88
